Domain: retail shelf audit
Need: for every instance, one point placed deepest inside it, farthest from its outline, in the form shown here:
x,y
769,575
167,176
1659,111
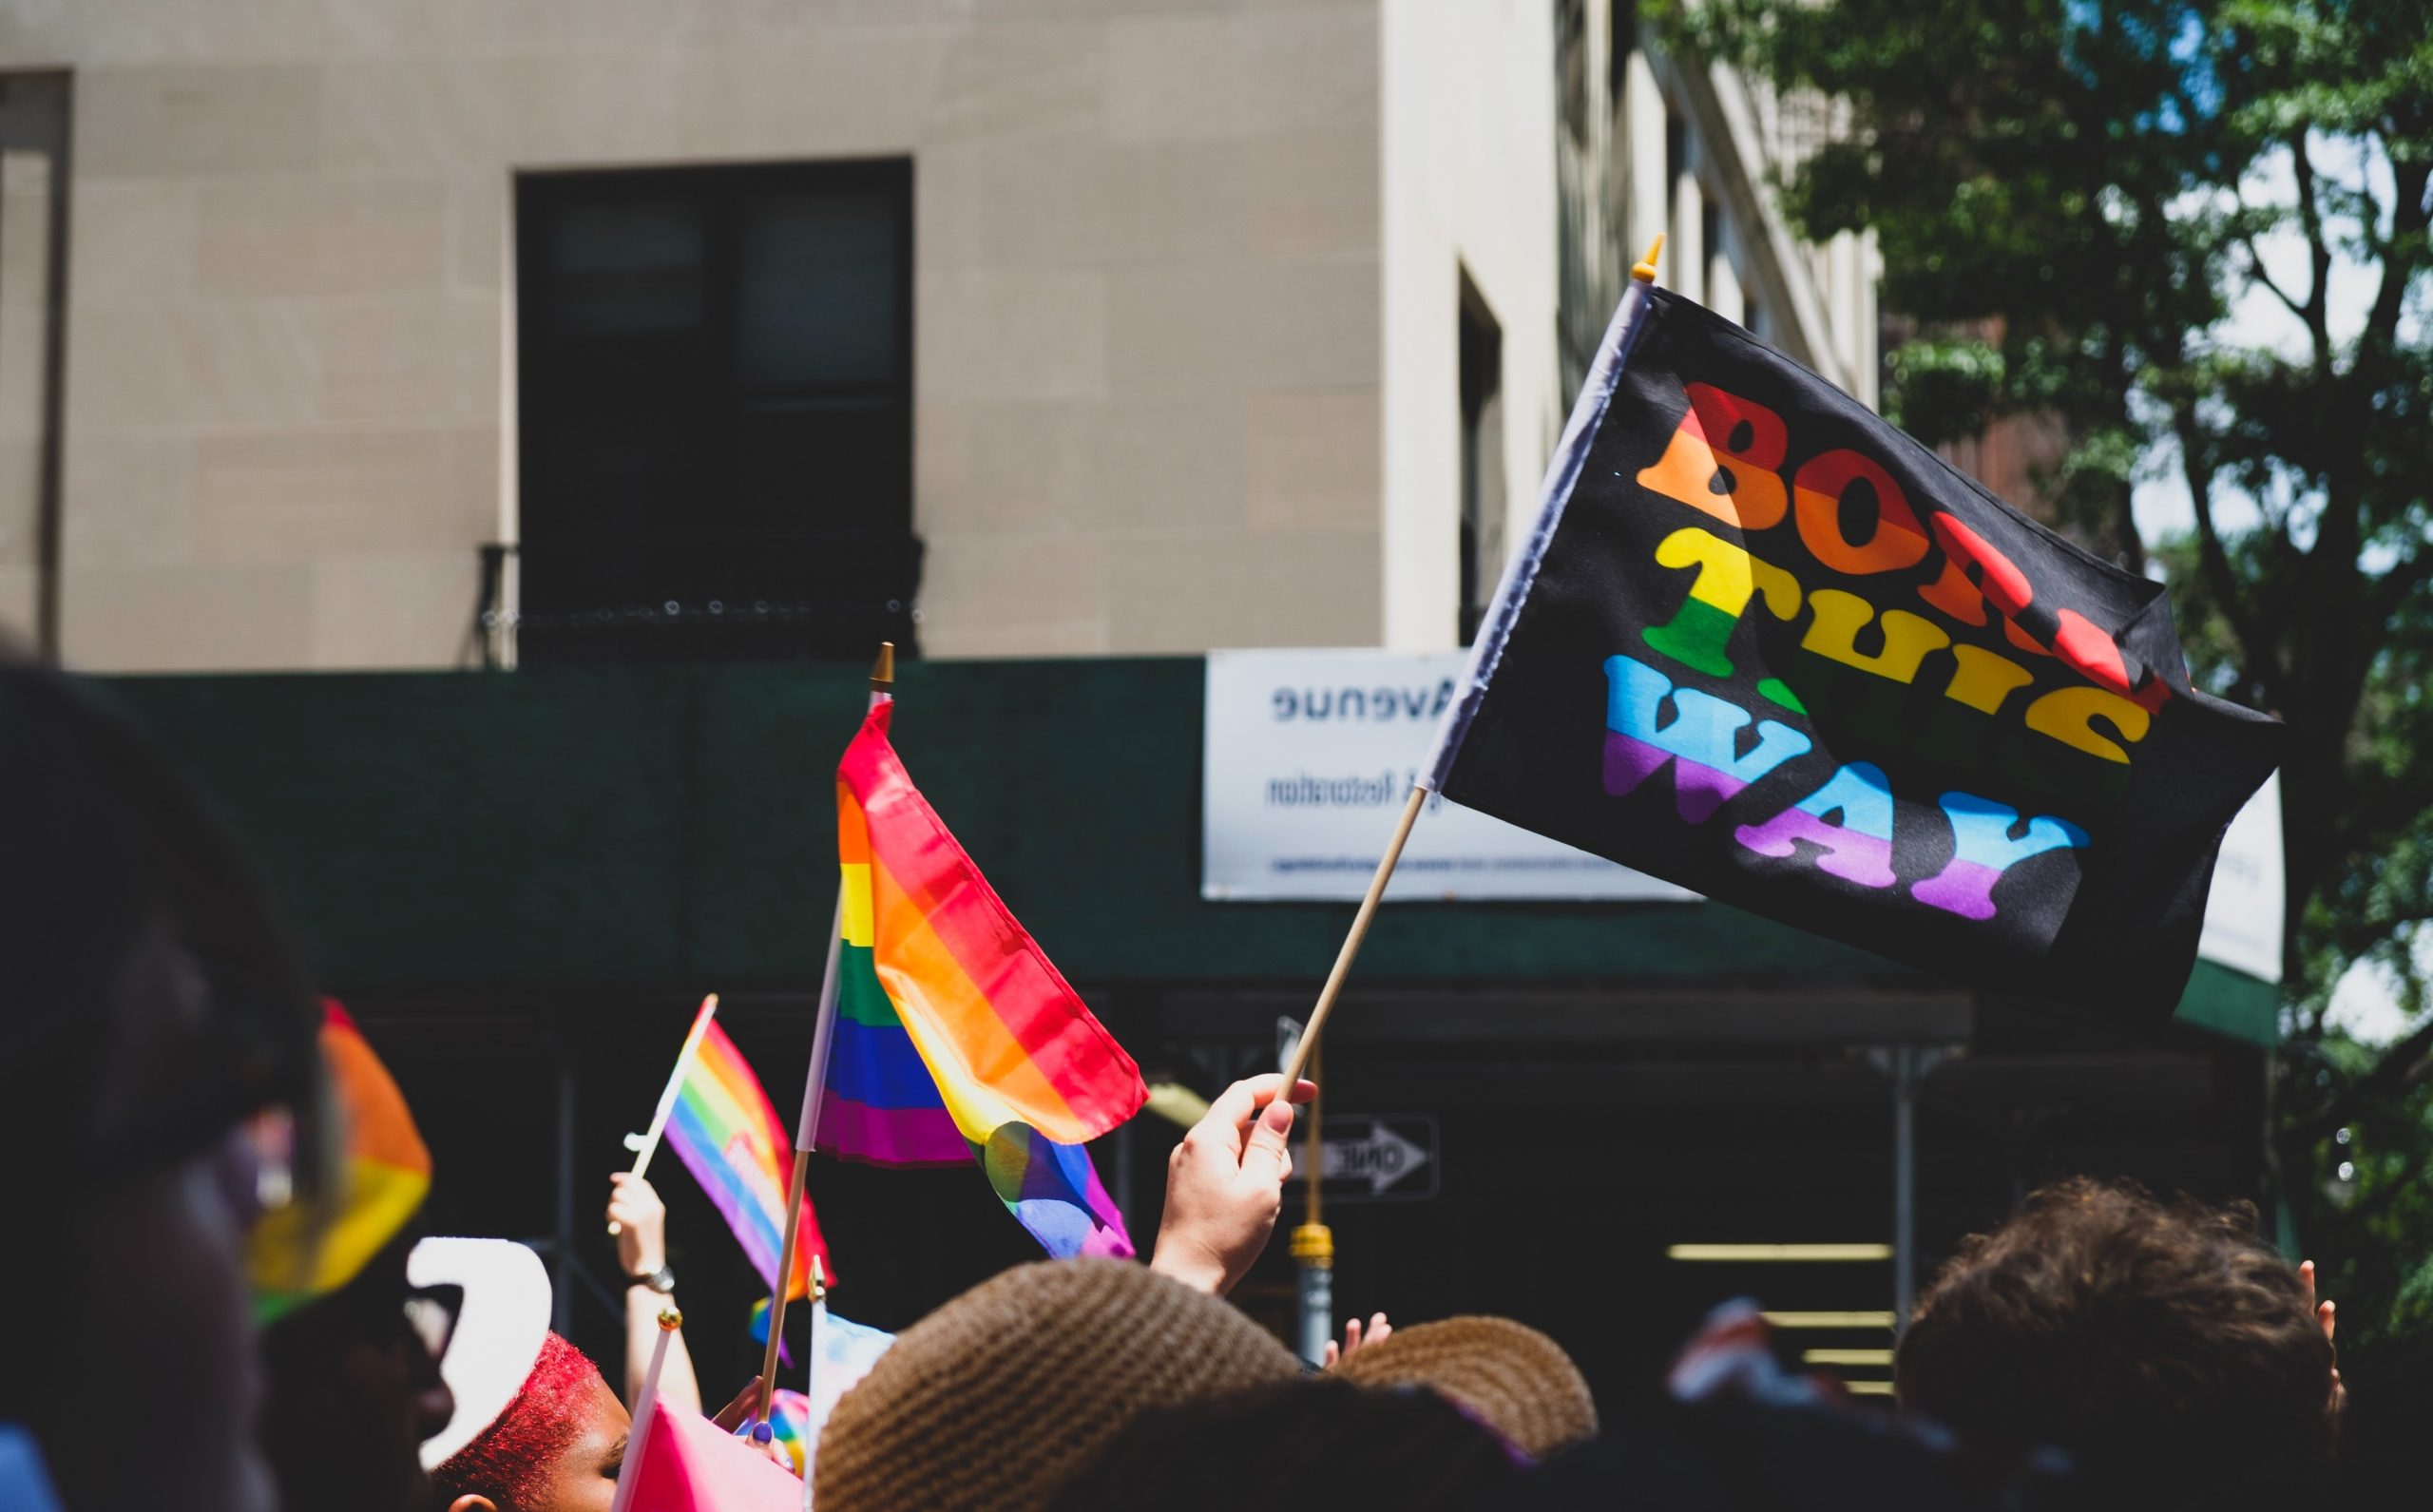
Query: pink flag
x,y
690,1465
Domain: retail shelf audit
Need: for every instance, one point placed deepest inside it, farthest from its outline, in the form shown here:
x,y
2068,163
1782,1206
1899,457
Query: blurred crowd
x,y
228,1193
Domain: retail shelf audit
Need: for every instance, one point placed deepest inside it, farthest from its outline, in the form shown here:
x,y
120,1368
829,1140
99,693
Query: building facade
x,y
427,334
660,357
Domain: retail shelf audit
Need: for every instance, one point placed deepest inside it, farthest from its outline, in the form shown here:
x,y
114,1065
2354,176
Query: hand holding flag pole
x,y
647,1145
822,1033
1489,642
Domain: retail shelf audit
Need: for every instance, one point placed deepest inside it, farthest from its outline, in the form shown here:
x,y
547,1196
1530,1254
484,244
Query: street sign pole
x,y
1904,1183
1908,1065
1314,1242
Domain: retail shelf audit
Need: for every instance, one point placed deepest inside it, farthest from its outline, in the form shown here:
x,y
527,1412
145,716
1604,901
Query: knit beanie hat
x,y
998,1399
1507,1375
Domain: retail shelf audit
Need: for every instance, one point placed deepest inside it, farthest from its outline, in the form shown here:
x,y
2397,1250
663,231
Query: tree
x,y
2073,198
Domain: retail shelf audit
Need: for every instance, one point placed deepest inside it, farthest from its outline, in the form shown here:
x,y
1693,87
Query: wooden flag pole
x,y
882,677
1352,942
823,1034
667,1094
1642,271
785,1280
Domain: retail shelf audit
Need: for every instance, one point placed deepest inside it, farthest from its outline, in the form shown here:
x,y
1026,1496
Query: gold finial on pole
x,y
883,670
1644,271
645,1404
818,1280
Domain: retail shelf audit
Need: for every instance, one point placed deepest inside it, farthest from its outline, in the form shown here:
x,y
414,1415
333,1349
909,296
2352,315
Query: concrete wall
x,y
1147,300
1469,185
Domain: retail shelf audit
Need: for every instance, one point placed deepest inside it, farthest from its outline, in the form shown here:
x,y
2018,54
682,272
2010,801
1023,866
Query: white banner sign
x,y
2243,912
1307,758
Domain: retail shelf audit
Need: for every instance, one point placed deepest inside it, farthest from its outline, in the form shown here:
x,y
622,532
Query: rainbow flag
x,y
308,1249
728,1135
955,1039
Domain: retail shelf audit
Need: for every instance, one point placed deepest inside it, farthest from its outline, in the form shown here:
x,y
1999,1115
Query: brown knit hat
x,y
1507,1375
1001,1397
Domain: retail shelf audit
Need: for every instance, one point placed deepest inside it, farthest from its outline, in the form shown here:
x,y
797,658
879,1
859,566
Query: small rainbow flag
x,y
723,1129
308,1249
955,1037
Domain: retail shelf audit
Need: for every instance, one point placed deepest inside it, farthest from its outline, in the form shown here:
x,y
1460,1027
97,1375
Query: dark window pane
x,y
819,290
626,267
716,400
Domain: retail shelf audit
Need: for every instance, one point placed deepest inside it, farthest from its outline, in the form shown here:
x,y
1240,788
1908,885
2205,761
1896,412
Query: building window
x,y
1624,19
1676,165
35,110
1482,380
716,425
1572,72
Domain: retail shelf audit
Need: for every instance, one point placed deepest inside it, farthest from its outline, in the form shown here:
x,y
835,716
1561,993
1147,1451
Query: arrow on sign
x,y
1382,1158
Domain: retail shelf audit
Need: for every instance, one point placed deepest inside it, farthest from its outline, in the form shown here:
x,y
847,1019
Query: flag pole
x,y
1642,272
785,1280
806,1128
1334,988
645,1404
659,1115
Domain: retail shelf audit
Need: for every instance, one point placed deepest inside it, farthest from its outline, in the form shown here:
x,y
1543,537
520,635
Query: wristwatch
x,y
662,1281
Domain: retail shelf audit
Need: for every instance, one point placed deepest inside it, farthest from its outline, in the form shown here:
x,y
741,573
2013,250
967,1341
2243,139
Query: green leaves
x,y
2193,239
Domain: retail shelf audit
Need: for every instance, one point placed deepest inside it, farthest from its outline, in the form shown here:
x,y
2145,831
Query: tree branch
x,y
2393,587
2401,1066
2263,658
2255,270
2410,215
2317,310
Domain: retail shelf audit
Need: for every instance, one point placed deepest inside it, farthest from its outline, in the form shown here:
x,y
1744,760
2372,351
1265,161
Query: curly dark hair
x,y
2164,1345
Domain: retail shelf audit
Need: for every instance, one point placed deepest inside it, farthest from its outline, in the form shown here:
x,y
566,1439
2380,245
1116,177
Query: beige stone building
x,y
740,327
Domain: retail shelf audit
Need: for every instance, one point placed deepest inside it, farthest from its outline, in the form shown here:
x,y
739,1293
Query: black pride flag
x,y
1765,645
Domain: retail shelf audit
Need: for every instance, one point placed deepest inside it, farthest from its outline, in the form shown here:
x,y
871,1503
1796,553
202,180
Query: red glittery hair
x,y
510,1461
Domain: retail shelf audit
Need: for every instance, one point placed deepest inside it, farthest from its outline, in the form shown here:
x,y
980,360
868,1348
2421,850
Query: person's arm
x,y
1225,1185
641,1250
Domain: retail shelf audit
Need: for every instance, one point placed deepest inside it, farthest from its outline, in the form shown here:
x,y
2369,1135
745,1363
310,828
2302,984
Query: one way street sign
x,y
1377,1157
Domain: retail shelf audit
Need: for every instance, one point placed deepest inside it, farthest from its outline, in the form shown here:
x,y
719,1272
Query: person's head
x,y
1508,1375
556,1448
1002,1397
2163,1345
1316,1444
163,1042
355,1388
353,1347
534,1428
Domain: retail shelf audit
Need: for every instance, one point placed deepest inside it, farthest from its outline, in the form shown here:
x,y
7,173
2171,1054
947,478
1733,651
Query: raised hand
x,y
1379,1331
1225,1184
640,1221
2328,1318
